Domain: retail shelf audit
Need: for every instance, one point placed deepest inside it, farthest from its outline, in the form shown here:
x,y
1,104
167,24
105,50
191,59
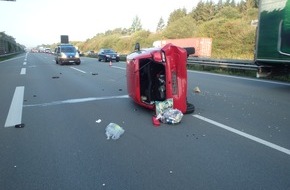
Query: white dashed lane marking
x,y
23,71
15,111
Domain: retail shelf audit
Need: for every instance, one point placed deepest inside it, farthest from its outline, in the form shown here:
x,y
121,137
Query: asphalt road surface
x,y
237,138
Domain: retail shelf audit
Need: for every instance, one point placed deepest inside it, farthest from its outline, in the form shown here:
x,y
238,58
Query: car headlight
x,y
63,55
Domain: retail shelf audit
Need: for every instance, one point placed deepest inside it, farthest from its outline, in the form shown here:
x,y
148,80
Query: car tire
x,y
190,108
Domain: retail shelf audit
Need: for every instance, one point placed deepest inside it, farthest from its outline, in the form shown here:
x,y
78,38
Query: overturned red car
x,y
158,74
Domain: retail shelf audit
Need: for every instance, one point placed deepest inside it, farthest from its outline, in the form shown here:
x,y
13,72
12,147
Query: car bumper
x,y
70,60
113,58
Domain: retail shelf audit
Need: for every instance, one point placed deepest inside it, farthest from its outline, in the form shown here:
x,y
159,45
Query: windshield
x,y
109,51
68,49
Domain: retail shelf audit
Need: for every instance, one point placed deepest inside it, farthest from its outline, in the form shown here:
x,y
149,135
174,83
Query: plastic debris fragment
x,y
19,125
114,131
99,121
155,121
196,90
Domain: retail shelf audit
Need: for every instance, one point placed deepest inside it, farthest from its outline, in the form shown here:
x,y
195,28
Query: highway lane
x,y
257,107
63,147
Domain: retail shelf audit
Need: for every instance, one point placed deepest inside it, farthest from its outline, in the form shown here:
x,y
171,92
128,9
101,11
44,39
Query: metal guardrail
x,y
223,63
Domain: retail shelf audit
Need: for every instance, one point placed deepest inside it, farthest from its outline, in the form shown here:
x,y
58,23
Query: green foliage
x,y
136,25
231,38
142,37
228,12
182,28
160,25
227,23
204,11
176,15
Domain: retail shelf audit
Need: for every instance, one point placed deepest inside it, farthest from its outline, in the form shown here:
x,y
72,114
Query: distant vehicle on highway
x,y
90,53
108,55
66,53
47,50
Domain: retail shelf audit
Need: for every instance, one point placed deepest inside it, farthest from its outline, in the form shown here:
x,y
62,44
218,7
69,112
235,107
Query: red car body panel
x,y
157,74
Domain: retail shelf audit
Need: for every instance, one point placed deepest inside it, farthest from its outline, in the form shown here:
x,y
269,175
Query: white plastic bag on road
x,y
114,131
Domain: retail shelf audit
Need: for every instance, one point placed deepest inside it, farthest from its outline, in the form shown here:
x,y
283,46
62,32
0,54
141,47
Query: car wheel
x,y
190,108
78,63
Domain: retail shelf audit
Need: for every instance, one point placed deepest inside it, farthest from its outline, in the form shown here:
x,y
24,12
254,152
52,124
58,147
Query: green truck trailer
x,y
272,53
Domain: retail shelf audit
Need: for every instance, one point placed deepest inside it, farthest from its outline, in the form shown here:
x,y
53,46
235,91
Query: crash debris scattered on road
x,y
196,90
20,125
114,131
98,121
165,113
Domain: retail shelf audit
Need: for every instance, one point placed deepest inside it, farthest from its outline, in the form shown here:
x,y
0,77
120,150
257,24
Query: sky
x,y
37,22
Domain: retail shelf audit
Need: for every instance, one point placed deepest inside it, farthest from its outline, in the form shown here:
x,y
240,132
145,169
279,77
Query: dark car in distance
x,y
108,55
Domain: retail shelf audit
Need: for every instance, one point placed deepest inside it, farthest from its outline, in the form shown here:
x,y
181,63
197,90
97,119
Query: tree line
x,y
227,22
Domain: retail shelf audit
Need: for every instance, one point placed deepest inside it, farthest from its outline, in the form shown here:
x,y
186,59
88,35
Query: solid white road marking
x,y
248,136
23,71
15,111
78,70
119,68
243,78
80,100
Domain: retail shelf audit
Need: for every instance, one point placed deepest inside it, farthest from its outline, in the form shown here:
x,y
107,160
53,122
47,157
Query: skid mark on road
x,y
248,136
